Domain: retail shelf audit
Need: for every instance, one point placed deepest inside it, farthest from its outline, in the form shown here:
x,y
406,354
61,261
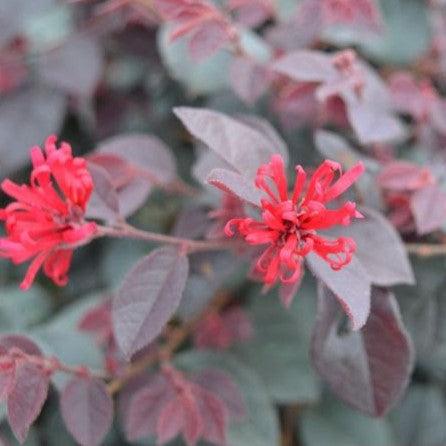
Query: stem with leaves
x,y
175,338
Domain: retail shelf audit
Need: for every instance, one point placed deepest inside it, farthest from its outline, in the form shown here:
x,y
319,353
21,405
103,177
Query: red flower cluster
x,y
289,225
47,221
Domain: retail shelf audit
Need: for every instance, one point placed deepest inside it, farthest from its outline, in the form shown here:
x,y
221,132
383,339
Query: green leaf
x,y
261,426
279,350
333,424
419,420
406,36
19,310
211,74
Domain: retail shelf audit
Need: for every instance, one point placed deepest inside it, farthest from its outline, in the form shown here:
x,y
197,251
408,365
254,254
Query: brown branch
x,y
176,336
426,249
127,231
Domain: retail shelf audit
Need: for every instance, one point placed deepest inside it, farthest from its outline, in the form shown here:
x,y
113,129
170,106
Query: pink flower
x,y
289,224
46,222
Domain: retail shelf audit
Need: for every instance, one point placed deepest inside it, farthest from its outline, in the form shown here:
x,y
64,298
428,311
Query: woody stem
x,y
426,249
124,230
175,337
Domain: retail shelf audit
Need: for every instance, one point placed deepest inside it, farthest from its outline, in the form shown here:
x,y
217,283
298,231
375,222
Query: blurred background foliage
x,y
91,78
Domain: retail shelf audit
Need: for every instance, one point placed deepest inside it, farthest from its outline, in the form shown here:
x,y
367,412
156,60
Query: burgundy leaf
x,y
306,65
400,175
380,249
373,123
135,163
351,286
214,415
144,409
170,421
192,425
221,385
235,184
21,342
428,206
75,67
104,202
249,79
263,126
208,39
27,117
368,369
87,410
26,398
7,377
241,146
147,154
148,298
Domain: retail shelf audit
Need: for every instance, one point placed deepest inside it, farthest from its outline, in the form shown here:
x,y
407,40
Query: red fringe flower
x,y
46,222
290,223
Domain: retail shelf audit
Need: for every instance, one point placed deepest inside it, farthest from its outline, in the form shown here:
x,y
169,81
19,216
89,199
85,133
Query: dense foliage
x,y
238,235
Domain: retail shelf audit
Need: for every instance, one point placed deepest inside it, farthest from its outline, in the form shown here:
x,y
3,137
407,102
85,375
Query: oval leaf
x,y
87,410
380,249
148,155
26,397
429,209
351,286
234,184
104,202
369,369
149,296
240,145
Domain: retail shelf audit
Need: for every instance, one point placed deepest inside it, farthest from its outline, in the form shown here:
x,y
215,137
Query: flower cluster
x,y
289,224
47,221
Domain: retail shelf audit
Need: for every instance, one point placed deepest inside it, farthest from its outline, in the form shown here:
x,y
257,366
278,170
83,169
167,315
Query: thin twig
x,y
125,230
426,249
175,338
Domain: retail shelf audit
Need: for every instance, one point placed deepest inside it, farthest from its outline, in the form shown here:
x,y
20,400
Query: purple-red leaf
x,y
135,163
207,40
148,298
87,410
368,369
21,342
214,417
104,202
141,416
170,421
240,145
249,79
74,67
305,65
380,249
220,384
373,123
235,184
351,286
404,176
148,155
428,206
26,398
